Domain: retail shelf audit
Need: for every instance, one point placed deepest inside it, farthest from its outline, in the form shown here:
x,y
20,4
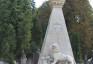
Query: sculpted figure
x,y
23,54
59,57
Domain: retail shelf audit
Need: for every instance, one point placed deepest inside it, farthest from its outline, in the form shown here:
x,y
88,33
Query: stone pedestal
x,y
36,56
56,31
29,61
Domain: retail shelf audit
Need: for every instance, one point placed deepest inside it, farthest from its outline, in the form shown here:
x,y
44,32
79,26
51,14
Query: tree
x,y
43,15
8,43
23,13
33,6
77,14
37,35
7,33
15,28
75,42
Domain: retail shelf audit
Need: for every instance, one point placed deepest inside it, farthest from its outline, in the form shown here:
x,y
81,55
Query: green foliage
x,y
7,33
75,42
15,28
17,33
87,62
8,42
36,39
36,30
23,25
82,9
43,15
32,49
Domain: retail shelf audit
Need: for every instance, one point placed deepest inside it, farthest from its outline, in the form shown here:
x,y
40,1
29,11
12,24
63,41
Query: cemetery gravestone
x,y
36,56
23,58
29,61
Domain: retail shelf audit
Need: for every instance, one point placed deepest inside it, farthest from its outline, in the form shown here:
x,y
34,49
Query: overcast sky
x,y
39,2
91,2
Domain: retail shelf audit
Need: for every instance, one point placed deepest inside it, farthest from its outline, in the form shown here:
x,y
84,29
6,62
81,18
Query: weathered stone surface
x,y
23,58
57,56
29,61
56,32
36,56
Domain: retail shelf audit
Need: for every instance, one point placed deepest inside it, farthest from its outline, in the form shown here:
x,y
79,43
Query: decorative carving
x,y
57,28
58,56
23,58
57,3
46,60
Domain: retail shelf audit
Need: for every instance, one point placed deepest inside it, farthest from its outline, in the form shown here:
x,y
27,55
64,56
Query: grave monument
x,y
23,58
36,56
56,33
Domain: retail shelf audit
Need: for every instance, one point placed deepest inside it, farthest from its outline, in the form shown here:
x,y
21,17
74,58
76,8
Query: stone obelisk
x,y
56,31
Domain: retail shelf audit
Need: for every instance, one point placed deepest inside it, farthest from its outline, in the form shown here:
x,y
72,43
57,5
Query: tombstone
x,y
36,56
23,57
56,32
91,60
29,61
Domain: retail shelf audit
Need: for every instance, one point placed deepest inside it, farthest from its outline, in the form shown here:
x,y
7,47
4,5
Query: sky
x,y
39,2
91,2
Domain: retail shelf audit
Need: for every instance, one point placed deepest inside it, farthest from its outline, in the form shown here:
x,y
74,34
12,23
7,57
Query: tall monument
x,y
56,31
